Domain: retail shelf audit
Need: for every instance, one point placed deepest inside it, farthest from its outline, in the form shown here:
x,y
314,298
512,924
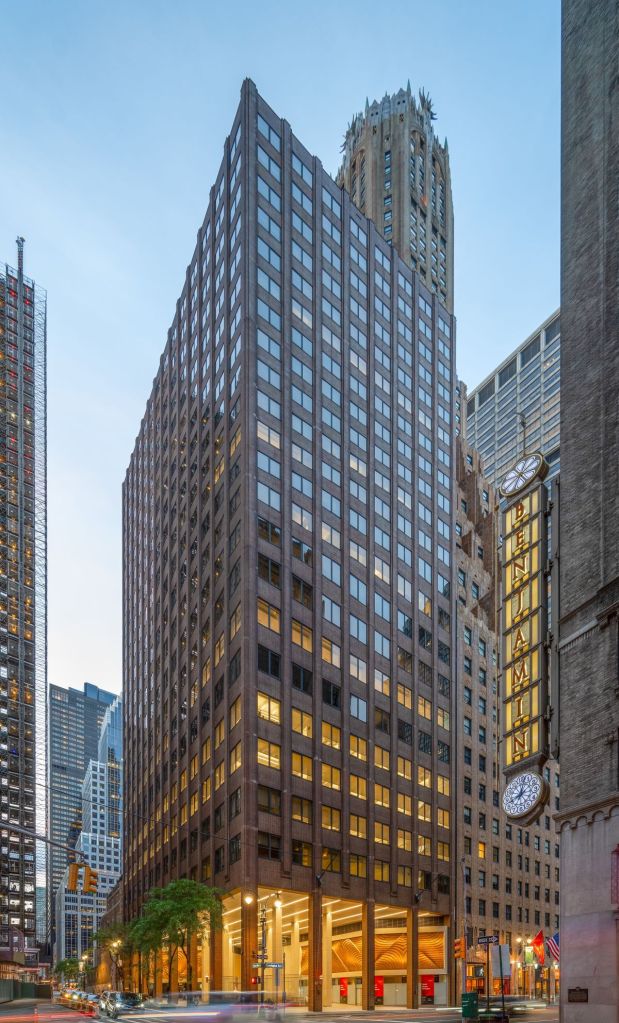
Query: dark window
x,y
268,846
443,751
425,672
302,854
405,731
425,742
235,667
301,678
269,570
331,694
234,849
234,804
268,661
220,859
425,638
302,551
302,592
269,531
506,374
382,721
269,800
530,351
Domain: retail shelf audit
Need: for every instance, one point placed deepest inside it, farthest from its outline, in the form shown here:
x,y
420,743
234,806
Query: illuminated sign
x,y
524,604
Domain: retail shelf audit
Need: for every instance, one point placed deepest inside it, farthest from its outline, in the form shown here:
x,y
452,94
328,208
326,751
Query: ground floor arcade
x,y
320,951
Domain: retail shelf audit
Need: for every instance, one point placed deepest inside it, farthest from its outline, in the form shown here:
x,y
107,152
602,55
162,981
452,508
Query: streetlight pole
x,y
263,948
115,945
463,967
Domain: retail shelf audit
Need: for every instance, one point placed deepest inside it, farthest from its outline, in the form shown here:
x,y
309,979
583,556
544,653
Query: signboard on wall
x,y
427,986
524,631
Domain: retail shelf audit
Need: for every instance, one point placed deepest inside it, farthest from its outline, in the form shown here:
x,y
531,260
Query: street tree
x,y
67,970
181,910
116,941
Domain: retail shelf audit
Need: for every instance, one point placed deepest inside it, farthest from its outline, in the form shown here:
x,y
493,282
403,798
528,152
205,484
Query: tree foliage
x,y
67,969
173,915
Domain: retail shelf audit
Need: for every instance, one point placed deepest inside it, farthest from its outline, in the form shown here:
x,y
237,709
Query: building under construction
x,y
23,612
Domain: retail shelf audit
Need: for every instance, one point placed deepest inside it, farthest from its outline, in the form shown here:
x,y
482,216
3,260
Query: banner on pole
x,y
501,965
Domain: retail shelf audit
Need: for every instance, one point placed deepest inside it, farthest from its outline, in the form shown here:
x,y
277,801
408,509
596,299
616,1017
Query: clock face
x,y
522,794
521,474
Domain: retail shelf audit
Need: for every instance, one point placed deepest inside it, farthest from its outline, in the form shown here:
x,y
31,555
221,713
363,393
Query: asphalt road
x,y
45,1012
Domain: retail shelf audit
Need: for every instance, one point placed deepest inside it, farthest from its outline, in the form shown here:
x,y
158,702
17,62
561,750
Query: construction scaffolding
x,y
23,610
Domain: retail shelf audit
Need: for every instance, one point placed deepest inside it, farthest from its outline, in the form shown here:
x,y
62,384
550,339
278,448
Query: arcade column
x,y
314,972
249,939
368,955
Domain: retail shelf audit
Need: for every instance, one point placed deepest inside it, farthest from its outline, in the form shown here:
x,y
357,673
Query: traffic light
x,y
460,948
74,869
91,879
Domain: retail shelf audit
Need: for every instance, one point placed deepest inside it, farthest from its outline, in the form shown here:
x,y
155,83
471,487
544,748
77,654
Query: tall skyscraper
x,y
23,606
508,882
289,615
519,403
397,173
75,720
99,844
588,520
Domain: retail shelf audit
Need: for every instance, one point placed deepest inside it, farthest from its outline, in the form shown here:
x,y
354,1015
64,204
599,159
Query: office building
x,y
288,596
588,521
517,406
509,876
99,845
397,173
75,719
23,608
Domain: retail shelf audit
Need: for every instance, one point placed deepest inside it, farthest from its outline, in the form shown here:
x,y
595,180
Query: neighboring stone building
x,y
509,877
588,519
397,173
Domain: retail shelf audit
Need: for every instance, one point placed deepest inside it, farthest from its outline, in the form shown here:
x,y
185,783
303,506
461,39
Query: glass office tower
x,y
519,402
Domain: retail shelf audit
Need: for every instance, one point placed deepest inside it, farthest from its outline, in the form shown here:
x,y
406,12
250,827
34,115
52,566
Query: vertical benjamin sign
x,y
524,606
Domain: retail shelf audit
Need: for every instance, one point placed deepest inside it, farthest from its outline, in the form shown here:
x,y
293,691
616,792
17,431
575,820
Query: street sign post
x,y
487,940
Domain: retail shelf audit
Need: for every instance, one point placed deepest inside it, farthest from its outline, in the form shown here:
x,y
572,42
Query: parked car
x,y
117,1003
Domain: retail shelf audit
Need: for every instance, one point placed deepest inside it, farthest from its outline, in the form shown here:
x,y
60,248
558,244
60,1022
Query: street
x,y
46,1012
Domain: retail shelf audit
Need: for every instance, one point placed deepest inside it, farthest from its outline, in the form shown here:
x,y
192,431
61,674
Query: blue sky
x,y
112,130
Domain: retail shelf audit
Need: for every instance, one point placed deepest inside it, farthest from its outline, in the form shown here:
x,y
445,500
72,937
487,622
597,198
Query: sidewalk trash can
x,y
469,1005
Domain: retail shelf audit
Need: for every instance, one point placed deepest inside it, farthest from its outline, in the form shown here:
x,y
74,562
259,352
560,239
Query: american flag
x,y
553,946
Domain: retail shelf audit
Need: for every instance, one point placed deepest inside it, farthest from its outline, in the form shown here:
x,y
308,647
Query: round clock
x,y
523,794
522,473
